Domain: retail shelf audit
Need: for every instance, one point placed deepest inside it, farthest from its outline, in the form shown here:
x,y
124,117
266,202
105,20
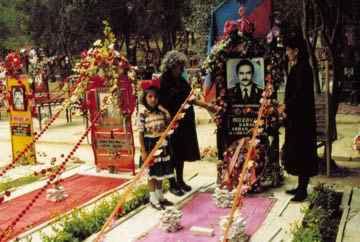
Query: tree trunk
x,y
166,41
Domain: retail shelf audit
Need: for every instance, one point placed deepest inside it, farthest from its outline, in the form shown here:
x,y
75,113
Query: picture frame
x,y
18,99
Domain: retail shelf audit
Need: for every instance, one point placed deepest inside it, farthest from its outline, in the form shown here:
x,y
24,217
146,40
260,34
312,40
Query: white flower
x,y
97,42
73,98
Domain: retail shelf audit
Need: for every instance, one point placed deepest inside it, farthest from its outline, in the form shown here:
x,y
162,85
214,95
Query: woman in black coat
x,y
299,150
174,89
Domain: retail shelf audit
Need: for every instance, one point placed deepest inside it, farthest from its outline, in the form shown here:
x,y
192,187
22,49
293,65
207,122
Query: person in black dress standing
x,y
174,89
299,150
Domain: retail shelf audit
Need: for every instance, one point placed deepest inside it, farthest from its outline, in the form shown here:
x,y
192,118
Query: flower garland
x,y
270,114
245,46
7,233
100,65
247,176
242,159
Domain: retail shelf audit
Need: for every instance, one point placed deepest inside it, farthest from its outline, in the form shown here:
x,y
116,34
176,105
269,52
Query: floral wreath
x,y
243,45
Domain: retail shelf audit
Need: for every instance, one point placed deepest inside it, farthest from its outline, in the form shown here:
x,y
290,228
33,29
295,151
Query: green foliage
x,y
309,234
321,218
80,224
199,22
63,26
13,24
7,185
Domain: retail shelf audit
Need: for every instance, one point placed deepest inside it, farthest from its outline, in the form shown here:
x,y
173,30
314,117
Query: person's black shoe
x,y
166,202
291,191
176,191
300,196
185,187
157,206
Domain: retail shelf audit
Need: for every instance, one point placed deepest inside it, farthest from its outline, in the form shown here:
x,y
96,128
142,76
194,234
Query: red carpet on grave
x,y
80,189
201,211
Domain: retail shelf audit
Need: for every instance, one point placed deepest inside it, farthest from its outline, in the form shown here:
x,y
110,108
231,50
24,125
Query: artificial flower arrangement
x,y
101,65
236,43
246,163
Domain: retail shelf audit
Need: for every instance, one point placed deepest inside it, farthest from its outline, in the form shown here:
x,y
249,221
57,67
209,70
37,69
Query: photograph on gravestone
x,y
112,115
18,98
245,83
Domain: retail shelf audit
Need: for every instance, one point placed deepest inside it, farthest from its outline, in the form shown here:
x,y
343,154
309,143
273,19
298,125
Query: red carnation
x,y
229,27
13,63
85,64
84,54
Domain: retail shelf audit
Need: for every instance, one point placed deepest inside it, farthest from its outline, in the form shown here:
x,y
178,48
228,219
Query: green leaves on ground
x,y
321,219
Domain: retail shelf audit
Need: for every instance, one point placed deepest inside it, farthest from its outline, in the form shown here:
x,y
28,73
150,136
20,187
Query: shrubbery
x,y
321,219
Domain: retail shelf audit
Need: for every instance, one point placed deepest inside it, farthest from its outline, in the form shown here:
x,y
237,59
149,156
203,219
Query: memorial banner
x,y
20,106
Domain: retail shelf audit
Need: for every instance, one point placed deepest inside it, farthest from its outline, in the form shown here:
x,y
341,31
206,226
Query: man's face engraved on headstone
x,y
245,75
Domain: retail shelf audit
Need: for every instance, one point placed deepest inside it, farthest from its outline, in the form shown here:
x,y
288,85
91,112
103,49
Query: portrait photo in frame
x,y
18,98
245,80
112,116
232,68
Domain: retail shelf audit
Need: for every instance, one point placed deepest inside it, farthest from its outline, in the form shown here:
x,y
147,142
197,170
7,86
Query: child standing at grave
x,y
153,120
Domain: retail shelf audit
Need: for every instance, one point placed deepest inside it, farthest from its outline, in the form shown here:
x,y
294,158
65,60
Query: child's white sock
x,y
159,194
153,198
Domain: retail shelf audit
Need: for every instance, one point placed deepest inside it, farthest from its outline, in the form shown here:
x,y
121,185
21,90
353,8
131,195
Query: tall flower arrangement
x,y
101,65
244,159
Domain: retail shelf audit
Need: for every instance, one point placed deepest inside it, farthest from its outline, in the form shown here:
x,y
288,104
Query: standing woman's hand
x,y
144,155
210,107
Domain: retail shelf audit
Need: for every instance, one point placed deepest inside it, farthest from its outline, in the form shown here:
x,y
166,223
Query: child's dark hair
x,y
146,92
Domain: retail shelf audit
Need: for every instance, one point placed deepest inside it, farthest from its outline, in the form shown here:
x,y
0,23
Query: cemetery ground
x,y
201,175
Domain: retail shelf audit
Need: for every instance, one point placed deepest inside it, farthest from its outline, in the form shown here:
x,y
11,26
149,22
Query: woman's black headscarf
x,y
297,42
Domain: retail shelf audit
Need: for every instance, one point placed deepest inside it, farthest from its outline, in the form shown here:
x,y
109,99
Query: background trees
x,y
13,24
69,26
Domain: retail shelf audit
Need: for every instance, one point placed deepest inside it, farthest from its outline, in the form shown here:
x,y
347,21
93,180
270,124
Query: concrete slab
x,y
45,228
36,185
277,226
355,199
146,219
351,231
345,207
